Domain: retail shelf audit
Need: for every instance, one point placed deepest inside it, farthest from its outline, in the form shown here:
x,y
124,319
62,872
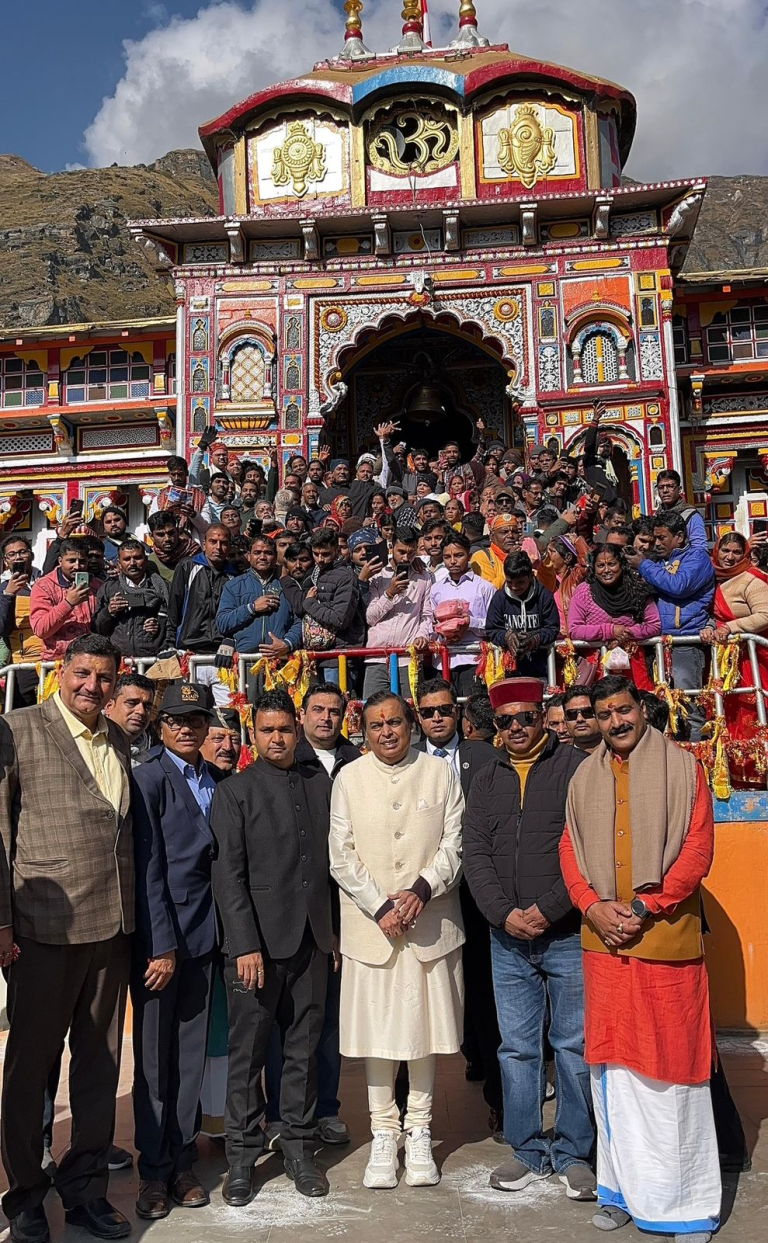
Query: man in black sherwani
x,y
272,888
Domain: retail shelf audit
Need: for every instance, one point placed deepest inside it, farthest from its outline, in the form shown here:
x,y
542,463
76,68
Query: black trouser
x,y
293,996
170,1038
481,1028
52,990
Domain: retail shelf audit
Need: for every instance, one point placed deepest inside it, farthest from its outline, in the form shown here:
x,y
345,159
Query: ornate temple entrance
x,y
435,381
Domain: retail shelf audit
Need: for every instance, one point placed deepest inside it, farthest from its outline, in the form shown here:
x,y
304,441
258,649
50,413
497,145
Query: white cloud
x,y
697,68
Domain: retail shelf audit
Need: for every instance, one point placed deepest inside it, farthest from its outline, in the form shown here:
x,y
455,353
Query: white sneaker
x,y
420,1168
381,1170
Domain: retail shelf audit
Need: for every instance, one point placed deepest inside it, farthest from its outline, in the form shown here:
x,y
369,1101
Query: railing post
x,y
10,686
762,715
343,686
552,666
719,701
445,661
394,674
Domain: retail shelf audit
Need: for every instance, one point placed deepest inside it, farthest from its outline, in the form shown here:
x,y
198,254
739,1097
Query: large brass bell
x,y
426,404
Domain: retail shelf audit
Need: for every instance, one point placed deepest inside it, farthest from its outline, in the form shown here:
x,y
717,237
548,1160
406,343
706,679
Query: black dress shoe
x,y
30,1226
99,1218
238,1188
306,1176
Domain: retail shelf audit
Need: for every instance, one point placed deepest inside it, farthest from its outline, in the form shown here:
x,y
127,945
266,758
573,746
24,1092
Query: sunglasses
x,y
522,718
440,710
194,720
573,714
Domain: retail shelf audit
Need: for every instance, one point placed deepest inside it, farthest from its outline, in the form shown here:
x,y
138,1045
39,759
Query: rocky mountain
x,y
65,254
66,257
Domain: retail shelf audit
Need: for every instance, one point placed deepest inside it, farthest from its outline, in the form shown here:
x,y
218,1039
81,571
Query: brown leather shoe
x,y
187,1190
153,1200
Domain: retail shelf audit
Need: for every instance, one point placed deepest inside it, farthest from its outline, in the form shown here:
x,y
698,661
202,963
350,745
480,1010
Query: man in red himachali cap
x,y
513,823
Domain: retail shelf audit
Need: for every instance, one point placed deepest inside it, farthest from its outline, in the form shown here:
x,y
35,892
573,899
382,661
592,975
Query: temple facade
x,y
449,222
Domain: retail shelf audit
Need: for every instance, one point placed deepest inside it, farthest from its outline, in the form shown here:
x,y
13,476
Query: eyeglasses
x,y
522,718
440,710
573,714
195,720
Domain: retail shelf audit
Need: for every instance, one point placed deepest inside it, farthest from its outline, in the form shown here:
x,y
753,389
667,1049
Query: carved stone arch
x,y
630,440
608,314
246,380
341,333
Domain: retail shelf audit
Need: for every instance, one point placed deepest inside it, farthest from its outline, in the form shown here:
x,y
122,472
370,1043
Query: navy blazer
x,y
174,852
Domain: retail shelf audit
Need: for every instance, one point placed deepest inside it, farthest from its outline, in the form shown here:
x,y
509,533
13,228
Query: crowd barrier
x,y
442,655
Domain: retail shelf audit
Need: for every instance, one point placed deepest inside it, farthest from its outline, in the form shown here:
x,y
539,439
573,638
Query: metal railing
x,y
444,653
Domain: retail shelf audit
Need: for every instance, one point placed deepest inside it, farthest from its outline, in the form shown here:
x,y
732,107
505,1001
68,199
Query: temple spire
x,y
413,28
468,35
354,48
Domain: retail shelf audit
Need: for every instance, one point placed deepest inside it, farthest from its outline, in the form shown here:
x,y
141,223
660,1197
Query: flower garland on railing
x,y
494,663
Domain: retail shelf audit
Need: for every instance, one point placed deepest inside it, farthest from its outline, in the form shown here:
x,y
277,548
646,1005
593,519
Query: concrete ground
x,y
462,1208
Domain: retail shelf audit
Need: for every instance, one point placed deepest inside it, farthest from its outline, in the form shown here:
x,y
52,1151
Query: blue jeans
x,y
525,975
328,1059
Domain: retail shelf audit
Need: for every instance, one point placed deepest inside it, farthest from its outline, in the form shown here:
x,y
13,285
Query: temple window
x,y
599,359
108,375
680,338
170,371
247,374
22,383
738,334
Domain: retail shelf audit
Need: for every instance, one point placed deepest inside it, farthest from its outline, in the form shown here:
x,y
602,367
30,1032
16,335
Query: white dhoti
x,y
657,1153
404,1010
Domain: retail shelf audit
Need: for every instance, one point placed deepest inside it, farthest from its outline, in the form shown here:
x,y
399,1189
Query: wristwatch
x,y
638,907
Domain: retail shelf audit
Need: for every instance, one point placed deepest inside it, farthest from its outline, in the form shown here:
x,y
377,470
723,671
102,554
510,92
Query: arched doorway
x,y
434,379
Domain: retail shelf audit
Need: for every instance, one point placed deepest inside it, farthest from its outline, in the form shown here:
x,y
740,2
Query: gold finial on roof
x,y
468,36
354,48
413,27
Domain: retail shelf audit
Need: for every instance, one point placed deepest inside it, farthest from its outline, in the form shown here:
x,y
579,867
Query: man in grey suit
x,y
67,903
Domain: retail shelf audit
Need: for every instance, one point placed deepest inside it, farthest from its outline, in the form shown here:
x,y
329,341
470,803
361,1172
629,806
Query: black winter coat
x,y
126,629
511,855
337,604
193,602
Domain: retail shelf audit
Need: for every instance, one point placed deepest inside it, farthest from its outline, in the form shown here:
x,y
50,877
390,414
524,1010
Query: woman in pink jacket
x,y
614,606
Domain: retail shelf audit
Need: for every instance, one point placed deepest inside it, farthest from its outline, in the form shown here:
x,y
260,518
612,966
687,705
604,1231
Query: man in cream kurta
x,y
395,846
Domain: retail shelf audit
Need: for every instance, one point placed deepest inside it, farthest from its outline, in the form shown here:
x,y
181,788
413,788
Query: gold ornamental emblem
x,y
420,139
300,159
525,149
189,694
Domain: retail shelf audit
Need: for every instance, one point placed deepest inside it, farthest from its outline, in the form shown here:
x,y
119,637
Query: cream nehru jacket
x,y
389,825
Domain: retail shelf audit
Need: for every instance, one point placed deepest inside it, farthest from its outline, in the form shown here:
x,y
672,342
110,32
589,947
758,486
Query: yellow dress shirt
x,y
100,757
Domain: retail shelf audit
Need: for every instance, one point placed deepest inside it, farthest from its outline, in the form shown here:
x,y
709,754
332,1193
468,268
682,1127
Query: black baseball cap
x,y
185,698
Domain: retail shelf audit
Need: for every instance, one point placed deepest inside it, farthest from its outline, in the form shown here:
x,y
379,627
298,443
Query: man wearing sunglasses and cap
x,y
173,949
513,823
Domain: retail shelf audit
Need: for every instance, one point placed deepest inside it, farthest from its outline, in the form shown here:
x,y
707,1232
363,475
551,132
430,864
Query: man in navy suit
x,y
173,949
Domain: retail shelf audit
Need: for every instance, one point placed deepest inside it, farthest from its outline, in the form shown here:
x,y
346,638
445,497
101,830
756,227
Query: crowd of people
x,y
501,871
415,552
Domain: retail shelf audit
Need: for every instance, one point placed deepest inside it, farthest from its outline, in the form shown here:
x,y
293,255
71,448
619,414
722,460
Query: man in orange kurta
x,y
638,842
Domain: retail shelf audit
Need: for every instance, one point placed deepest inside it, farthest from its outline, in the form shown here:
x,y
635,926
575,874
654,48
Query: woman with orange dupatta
x,y
740,607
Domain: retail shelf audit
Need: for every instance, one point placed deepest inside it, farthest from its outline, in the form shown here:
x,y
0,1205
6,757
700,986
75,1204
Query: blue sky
x,y
65,58
97,81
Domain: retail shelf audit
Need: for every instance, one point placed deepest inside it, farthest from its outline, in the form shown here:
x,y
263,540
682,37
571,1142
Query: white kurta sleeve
x,y
347,867
444,872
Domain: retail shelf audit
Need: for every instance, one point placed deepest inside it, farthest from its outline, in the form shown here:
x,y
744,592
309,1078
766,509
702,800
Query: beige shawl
x,y
662,789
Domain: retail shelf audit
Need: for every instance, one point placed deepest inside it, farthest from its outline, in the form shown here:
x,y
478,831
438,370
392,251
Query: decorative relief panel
x,y
549,369
273,251
638,222
478,239
119,437
421,138
206,252
528,142
297,157
651,360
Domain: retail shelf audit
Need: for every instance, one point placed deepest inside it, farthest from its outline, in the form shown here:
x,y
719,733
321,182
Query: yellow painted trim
x,y
245,286
467,156
145,348
73,351
565,228
597,265
241,177
37,356
315,282
170,347
379,280
457,274
357,166
592,149
708,310
528,269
